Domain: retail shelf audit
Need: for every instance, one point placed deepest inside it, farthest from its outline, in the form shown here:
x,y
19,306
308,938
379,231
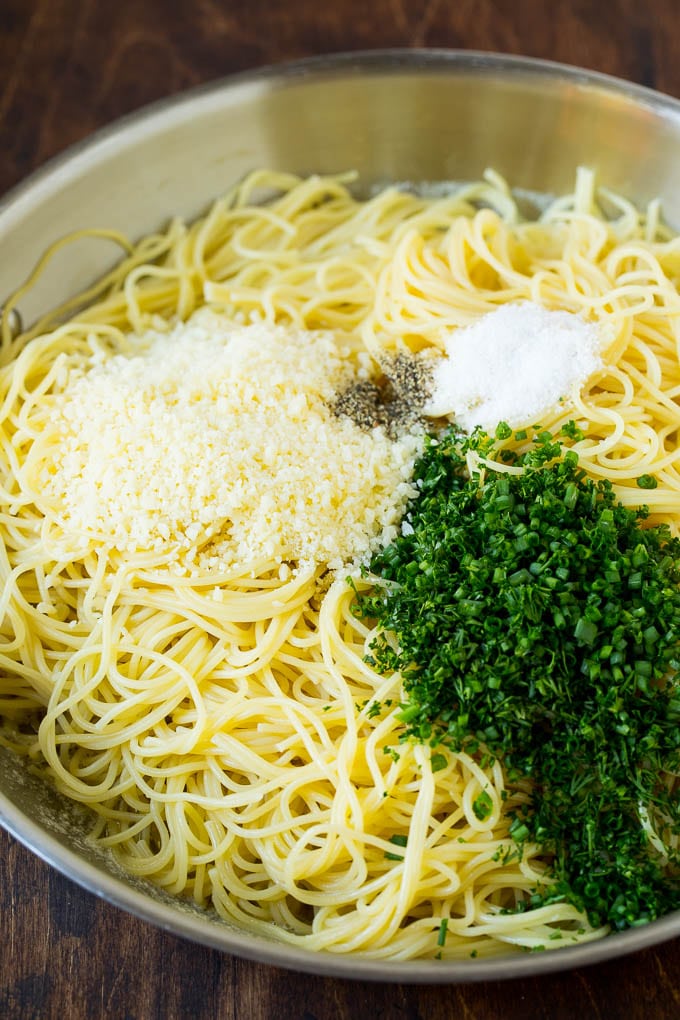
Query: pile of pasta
x,y
239,750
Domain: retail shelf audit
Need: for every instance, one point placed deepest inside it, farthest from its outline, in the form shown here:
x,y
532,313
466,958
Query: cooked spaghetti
x,y
209,697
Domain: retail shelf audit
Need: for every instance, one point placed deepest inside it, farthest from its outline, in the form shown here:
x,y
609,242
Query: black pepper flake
x,y
394,400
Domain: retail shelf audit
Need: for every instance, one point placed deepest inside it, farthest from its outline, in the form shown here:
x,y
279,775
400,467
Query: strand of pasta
x,y
240,750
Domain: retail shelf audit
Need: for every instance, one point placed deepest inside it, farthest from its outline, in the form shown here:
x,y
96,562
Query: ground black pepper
x,y
394,400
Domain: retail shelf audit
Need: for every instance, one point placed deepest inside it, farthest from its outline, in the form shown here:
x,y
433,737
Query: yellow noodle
x,y
225,729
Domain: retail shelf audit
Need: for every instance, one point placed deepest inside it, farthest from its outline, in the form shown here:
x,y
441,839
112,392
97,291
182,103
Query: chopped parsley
x,y
538,619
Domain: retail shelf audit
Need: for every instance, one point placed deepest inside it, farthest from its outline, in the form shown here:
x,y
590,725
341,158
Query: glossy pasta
x,y
226,730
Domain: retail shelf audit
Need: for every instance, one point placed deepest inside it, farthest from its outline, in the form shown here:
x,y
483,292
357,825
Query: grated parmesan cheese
x,y
512,365
217,442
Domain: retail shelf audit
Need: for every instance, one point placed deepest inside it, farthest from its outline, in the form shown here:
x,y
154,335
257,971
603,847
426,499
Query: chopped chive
x,y
482,806
535,619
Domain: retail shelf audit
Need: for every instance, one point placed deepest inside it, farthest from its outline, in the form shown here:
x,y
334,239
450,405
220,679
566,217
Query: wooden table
x,y
67,67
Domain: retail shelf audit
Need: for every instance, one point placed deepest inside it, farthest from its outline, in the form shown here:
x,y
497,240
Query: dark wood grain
x,y
66,68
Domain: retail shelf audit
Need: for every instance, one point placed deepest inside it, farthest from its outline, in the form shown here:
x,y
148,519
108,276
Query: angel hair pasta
x,y
201,449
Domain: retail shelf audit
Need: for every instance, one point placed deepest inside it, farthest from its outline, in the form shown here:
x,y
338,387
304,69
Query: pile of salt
x,y
512,365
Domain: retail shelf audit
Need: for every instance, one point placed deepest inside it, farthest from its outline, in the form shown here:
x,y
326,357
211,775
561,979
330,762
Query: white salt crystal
x,y
512,365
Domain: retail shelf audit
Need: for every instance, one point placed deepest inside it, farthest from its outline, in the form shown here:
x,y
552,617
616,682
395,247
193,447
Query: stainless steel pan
x,y
400,115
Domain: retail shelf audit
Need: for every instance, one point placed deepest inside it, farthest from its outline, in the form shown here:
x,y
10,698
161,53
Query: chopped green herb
x,y
482,806
399,840
438,762
441,937
647,482
572,431
538,619
519,831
